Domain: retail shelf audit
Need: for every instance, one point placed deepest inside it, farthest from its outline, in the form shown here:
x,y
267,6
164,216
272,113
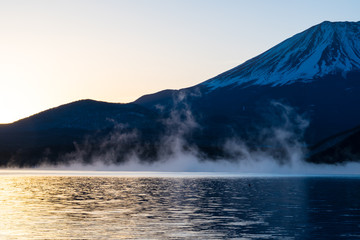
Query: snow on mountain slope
x,y
327,48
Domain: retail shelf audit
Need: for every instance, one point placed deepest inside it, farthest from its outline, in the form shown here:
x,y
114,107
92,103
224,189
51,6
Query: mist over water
x,y
281,149
184,162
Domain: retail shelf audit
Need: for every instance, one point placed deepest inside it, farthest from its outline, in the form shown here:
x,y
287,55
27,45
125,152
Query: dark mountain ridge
x,y
50,135
84,114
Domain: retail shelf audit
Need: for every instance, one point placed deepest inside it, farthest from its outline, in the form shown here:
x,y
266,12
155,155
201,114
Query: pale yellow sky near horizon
x,y
55,52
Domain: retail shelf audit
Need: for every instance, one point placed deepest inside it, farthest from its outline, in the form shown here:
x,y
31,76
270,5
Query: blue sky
x,y
55,52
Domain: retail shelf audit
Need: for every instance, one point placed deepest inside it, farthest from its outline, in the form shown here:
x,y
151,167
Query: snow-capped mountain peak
x,y
329,47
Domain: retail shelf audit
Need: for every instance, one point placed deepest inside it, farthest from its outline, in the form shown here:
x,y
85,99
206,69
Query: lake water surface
x,y
179,207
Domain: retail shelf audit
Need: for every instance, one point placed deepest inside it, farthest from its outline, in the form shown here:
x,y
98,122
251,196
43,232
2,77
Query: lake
x,y
179,206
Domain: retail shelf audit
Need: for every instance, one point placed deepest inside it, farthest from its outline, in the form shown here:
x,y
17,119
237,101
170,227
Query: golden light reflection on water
x,y
85,207
34,207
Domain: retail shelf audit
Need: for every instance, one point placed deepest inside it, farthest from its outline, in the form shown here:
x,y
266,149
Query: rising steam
x,y
281,149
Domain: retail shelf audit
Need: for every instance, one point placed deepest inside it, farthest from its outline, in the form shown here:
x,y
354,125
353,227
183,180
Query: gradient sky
x,y
55,52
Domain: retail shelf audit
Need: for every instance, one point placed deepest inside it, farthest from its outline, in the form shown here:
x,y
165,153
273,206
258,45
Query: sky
x,y
59,51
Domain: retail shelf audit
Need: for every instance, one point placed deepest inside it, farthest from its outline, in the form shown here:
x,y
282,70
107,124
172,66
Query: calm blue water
x,y
124,207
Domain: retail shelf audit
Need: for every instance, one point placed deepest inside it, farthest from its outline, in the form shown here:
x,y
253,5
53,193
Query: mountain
x,y
304,91
316,73
50,135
